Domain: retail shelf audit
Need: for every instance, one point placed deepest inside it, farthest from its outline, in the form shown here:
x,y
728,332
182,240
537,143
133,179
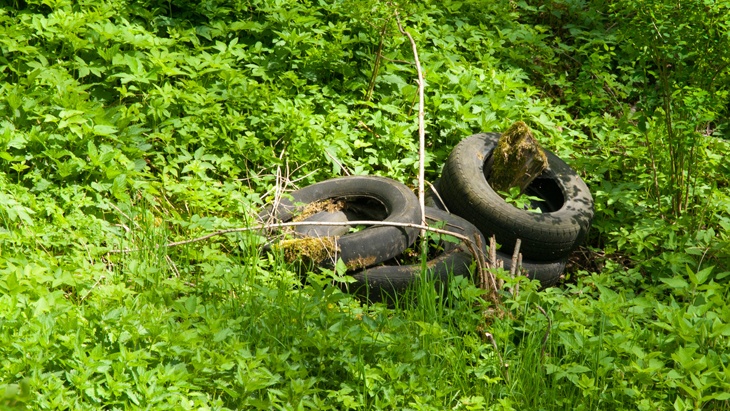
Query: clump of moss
x,y
312,249
517,160
362,262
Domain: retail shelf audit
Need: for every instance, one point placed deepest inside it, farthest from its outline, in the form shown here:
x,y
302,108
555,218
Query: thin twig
x,y
378,58
421,123
278,189
519,270
172,265
515,255
513,270
547,333
474,246
441,200
493,260
483,281
342,166
505,366
487,282
125,215
264,227
365,126
92,287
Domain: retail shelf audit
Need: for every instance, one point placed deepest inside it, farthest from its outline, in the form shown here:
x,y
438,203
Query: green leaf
x,y
719,328
104,130
701,276
675,282
719,396
41,306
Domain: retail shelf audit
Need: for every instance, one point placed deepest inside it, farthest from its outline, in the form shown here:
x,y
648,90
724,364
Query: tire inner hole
x,y
543,187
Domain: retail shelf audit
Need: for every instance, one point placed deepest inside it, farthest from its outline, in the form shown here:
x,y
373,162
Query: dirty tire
x,y
567,209
386,282
371,245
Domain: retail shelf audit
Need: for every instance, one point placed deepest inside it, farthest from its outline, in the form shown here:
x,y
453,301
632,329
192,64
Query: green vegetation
x,y
127,124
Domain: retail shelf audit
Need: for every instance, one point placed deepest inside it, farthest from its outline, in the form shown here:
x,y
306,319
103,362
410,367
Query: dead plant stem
x,y
421,122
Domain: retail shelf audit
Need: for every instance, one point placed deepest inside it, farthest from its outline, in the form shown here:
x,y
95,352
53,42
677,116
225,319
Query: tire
x,y
385,282
567,209
371,245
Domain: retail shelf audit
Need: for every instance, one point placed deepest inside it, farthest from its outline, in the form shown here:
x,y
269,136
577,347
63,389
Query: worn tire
x,y
385,282
567,209
371,245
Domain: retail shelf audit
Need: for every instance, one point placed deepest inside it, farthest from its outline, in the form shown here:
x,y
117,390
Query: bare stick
x,y
519,271
125,216
263,227
483,282
421,123
436,193
92,287
342,166
513,270
172,265
365,126
493,260
515,256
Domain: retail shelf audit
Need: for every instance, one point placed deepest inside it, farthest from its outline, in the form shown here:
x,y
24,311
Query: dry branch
x,y
421,123
515,267
474,246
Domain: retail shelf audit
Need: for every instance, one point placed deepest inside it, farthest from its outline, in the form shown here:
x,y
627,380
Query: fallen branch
x,y
264,227
473,245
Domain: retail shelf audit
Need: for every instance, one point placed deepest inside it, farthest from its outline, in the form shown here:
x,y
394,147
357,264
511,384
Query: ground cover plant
x,y
130,124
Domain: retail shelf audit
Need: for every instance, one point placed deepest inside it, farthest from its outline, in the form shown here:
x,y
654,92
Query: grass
x,y
231,334
221,325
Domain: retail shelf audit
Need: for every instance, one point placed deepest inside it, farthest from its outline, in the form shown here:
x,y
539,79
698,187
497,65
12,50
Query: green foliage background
x,y
129,124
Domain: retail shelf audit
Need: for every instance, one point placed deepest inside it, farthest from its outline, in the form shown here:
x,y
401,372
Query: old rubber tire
x,y
567,209
371,245
387,281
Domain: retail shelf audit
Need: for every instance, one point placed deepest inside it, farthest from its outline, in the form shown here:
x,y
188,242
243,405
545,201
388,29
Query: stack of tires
x,y
475,209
